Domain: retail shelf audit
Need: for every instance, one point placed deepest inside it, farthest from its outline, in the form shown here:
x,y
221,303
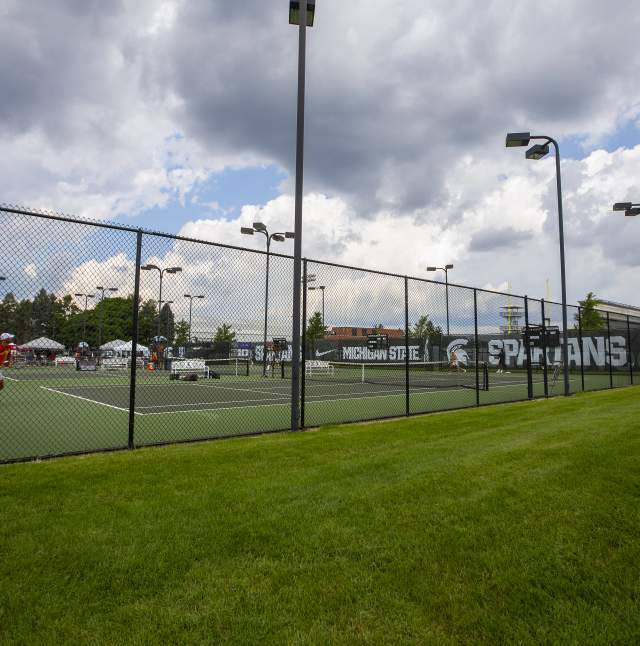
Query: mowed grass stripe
x,y
516,523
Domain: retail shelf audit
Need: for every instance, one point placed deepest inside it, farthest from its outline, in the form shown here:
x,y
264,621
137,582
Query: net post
x,y
476,345
545,374
134,341
527,348
629,353
406,344
580,341
609,352
303,341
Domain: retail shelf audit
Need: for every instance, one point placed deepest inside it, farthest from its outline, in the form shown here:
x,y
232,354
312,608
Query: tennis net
x,y
432,374
235,367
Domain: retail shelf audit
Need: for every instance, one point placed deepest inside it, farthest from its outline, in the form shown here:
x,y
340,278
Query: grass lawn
x,y
516,523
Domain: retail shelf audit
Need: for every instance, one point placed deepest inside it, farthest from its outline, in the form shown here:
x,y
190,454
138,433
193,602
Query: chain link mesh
x,y
210,355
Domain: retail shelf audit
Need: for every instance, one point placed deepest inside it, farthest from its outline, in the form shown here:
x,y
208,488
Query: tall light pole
x,y
445,269
629,208
321,287
538,151
302,14
168,270
191,297
259,227
84,317
103,290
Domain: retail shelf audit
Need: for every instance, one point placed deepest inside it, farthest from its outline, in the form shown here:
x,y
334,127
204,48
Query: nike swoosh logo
x,y
321,354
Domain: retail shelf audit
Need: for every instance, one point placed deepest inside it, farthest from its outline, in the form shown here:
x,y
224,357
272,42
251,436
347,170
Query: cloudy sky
x,y
179,115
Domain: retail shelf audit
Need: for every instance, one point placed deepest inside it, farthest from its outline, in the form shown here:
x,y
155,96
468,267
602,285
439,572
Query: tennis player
x,y
5,351
501,361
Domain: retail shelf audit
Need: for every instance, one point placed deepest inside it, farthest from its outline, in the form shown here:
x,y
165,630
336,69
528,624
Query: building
x,y
619,308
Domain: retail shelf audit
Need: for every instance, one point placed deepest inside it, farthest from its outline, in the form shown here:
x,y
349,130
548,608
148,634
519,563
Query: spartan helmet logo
x,y
458,346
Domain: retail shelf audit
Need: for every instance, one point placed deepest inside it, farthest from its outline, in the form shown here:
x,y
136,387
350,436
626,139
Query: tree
x,y
167,323
315,329
147,322
589,317
224,334
182,333
425,330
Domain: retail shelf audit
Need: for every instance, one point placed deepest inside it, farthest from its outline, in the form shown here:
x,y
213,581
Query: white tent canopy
x,y
43,343
125,349
112,345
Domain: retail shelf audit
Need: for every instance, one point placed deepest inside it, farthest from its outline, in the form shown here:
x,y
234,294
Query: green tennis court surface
x,y
58,410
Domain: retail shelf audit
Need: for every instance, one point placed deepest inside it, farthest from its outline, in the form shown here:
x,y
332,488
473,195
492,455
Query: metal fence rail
x,y
127,338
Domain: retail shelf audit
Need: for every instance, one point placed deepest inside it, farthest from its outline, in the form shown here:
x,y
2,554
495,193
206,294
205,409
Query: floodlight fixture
x,y
174,270
448,266
538,151
294,12
290,235
248,231
277,237
632,212
515,139
622,206
3,278
432,269
259,226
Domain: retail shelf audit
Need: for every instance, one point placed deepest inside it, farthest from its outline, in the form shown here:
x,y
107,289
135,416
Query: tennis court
x,y
90,410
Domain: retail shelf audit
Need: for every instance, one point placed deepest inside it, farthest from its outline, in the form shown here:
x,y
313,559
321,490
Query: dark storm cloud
x,y
491,239
391,106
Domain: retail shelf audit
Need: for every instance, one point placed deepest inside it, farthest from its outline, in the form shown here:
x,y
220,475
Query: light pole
x,y
84,317
190,297
168,270
259,227
445,269
103,290
302,14
538,151
321,287
628,208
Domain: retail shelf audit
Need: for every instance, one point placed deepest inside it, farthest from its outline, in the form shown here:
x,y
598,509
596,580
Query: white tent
x,y
124,350
112,345
44,344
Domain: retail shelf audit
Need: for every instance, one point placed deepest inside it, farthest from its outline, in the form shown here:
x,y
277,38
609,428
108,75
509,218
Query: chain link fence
x,y
122,338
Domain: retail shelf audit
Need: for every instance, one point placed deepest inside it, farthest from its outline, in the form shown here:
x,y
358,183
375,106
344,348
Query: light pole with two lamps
x,y
103,290
167,270
445,269
538,151
84,317
191,297
259,227
321,287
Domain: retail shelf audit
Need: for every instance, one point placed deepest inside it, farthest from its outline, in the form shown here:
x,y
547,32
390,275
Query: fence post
x,y
476,344
581,346
303,341
545,375
609,352
527,348
406,345
134,341
629,352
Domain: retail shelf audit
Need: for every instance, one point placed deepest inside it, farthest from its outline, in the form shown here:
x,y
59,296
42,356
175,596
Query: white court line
x,y
85,399
11,378
201,404
322,401
244,390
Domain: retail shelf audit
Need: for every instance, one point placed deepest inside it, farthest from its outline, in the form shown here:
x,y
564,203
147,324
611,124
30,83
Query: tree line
x,y
62,320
